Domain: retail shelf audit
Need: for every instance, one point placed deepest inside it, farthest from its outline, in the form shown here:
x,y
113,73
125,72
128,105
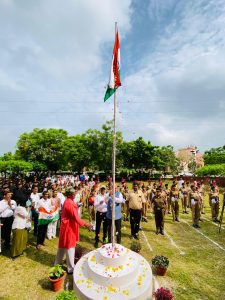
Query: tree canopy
x,y
215,156
53,150
214,160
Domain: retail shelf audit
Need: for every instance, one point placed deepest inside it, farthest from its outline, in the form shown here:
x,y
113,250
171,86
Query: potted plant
x,y
163,294
56,277
160,264
66,295
135,246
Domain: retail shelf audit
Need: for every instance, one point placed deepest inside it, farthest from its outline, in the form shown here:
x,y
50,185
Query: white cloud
x,y
182,81
52,51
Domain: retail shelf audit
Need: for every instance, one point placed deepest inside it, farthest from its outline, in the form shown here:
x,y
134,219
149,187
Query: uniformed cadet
x,y
184,192
159,207
168,202
125,206
153,190
135,200
144,205
195,206
149,198
214,204
174,198
202,195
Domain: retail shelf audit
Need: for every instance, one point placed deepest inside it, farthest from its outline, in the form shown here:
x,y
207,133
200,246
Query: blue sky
x,y
55,58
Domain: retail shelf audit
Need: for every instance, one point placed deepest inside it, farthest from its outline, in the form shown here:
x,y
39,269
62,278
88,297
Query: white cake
x,y
113,272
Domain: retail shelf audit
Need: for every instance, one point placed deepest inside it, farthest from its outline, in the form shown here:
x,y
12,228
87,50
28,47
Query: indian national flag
x,y
46,217
114,79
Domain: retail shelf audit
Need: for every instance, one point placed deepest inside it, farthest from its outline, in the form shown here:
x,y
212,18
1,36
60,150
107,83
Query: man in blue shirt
x,y
118,200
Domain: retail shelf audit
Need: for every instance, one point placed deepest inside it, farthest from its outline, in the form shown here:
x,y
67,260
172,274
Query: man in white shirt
x,y
45,203
7,207
61,197
100,204
35,197
180,182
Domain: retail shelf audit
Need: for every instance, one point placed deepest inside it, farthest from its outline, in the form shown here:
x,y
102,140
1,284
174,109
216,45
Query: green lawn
x,y
198,274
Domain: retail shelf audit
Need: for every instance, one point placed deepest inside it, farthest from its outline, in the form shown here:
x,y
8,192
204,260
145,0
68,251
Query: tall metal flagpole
x,y
114,163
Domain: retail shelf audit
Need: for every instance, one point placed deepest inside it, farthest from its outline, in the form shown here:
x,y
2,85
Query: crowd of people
x,y
50,203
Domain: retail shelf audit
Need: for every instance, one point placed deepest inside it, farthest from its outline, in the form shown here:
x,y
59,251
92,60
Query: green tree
x,y
15,166
99,144
8,156
168,162
139,154
77,154
215,156
44,146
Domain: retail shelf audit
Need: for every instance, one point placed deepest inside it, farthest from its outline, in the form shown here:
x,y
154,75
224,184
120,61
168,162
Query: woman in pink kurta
x,y
69,231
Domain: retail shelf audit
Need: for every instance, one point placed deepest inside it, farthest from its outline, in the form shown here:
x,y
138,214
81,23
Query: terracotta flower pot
x,y
160,270
57,283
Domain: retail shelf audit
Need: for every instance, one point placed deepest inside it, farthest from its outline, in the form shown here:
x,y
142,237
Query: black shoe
x,y
136,237
194,225
186,212
177,220
169,212
96,244
197,226
69,273
162,232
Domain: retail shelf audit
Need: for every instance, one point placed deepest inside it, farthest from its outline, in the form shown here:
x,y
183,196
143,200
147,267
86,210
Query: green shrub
x,y
135,246
66,295
211,170
56,272
160,261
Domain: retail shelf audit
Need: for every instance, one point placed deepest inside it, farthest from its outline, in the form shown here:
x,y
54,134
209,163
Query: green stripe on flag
x,y
109,93
47,221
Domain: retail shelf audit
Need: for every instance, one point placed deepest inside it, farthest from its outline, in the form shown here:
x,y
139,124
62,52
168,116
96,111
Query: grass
x,y
197,275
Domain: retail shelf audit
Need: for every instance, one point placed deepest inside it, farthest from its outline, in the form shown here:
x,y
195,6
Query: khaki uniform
x,y
125,206
195,207
149,198
202,195
174,198
135,200
184,199
144,206
214,203
168,201
159,206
